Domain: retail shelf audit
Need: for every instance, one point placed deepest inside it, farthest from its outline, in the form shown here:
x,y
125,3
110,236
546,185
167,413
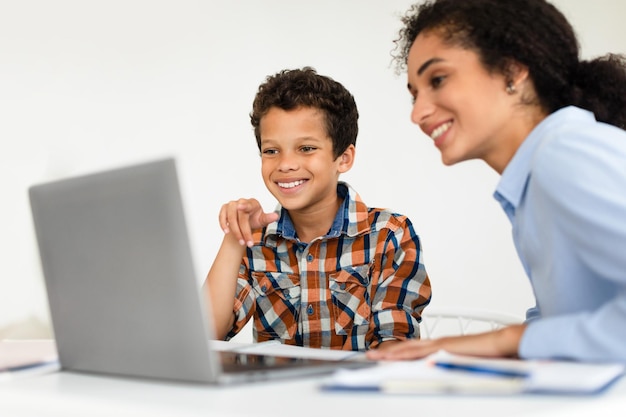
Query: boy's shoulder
x,y
384,218
377,218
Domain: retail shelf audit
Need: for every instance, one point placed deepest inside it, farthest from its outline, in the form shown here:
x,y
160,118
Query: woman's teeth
x,y
440,130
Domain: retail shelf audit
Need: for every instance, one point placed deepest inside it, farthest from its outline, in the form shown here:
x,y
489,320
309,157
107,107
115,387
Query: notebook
x,y
123,295
447,373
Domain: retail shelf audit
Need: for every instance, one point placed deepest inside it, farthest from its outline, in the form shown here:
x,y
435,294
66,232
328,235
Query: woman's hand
x,y
498,343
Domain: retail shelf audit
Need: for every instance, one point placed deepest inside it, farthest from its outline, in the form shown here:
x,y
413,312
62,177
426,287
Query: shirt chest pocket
x,y
350,294
277,303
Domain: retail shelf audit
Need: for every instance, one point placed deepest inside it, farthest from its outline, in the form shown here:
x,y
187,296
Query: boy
x,y
325,270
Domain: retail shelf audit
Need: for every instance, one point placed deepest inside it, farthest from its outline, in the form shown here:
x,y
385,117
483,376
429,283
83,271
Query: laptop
x,y
123,295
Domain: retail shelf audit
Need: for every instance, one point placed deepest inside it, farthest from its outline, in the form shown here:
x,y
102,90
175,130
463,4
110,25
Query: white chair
x,y
453,321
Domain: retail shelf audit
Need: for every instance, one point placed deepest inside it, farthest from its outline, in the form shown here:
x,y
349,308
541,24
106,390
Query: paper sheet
x,y
278,349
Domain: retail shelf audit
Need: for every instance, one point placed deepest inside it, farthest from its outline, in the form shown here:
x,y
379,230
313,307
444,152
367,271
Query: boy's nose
x,y
288,162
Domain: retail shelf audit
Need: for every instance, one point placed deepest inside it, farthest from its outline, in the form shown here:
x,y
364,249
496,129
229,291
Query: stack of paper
x,y
27,357
447,373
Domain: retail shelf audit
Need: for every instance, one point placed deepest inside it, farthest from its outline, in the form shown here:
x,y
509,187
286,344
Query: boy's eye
x,y
269,151
307,148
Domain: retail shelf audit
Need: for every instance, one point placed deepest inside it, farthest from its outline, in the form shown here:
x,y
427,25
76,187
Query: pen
x,y
29,365
483,369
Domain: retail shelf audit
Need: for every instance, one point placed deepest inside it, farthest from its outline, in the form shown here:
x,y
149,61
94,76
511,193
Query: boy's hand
x,y
242,216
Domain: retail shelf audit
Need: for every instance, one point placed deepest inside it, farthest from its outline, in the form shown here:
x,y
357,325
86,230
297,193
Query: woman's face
x,y
465,109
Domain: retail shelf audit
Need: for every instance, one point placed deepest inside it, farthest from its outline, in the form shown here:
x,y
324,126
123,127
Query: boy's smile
x,y
297,161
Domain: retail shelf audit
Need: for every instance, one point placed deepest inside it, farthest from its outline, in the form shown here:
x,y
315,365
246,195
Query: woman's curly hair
x,y
533,33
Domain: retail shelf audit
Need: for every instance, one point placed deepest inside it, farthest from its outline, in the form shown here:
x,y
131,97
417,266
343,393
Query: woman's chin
x,y
448,160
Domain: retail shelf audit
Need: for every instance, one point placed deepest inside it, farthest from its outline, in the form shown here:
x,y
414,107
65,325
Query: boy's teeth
x,y
440,130
290,184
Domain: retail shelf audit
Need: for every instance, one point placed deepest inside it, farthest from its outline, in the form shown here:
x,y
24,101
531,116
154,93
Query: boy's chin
x,y
288,203
288,206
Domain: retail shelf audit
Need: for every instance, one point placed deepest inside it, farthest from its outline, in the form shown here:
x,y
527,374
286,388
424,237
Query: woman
x,y
501,81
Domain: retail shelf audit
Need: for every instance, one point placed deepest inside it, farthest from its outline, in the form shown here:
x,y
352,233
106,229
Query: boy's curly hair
x,y
291,89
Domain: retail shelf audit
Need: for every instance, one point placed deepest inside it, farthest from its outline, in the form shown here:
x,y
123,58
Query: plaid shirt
x,y
361,284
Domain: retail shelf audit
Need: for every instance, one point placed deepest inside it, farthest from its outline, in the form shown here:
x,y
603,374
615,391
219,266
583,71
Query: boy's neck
x,y
313,224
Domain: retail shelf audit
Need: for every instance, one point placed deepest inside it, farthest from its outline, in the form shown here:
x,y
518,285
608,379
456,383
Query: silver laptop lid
x,y
123,228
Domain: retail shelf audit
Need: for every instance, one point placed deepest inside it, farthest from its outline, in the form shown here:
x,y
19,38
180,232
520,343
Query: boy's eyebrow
x,y
426,64
299,139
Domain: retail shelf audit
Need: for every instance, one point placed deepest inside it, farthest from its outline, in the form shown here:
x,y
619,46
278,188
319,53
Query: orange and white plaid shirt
x,y
361,284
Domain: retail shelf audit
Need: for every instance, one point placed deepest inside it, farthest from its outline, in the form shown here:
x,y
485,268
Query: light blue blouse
x,y
564,192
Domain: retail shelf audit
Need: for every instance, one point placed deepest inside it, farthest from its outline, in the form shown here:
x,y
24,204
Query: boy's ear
x,y
346,159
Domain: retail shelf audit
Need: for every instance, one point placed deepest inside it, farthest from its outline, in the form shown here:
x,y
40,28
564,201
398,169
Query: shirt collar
x,y
513,181
351,218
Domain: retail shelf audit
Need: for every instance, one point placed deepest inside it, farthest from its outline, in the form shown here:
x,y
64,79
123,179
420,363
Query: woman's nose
x,y
422,108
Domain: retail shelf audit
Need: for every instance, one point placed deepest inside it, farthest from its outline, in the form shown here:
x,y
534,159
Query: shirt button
x,y
309,310
309,258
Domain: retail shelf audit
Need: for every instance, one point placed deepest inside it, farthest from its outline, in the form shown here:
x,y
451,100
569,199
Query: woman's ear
x,y
346,159
516,75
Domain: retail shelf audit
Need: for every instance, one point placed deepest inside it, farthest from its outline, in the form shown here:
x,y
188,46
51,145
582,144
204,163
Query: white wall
x,y
87,85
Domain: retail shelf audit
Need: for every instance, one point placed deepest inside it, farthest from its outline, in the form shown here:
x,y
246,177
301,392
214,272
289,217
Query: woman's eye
x,y
436,82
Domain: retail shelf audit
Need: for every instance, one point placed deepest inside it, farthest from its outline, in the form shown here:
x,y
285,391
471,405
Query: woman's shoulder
x,y
576,128
579,149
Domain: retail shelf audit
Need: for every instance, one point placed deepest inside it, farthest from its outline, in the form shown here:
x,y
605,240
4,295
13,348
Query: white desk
x,y
67,394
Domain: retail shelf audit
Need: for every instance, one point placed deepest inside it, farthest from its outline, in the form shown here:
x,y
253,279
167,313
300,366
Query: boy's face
x,y
297,161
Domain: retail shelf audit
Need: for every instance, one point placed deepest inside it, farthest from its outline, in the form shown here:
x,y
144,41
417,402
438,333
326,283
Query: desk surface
x,y
70,394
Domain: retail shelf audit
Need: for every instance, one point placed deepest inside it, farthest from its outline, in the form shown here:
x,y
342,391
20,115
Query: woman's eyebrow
x,y
426,64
